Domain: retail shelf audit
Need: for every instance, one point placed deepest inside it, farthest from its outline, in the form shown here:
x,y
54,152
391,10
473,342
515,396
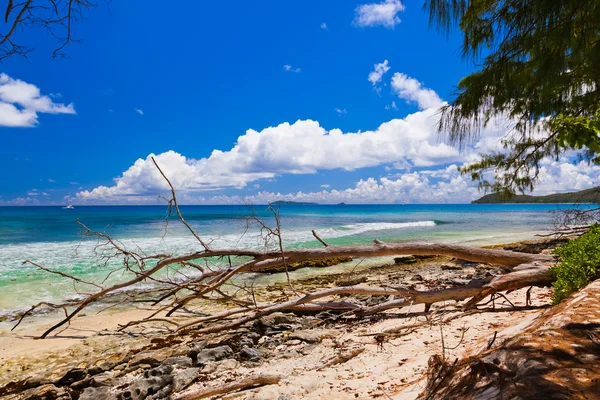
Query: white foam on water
x,y
26,282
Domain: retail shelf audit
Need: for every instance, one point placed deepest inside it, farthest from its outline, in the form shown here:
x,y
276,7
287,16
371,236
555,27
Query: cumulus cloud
x,y
412,90
564,176
379,70
21,102
303,147
374,14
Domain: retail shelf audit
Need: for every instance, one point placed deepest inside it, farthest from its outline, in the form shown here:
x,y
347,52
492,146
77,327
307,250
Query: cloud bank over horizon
x,y
305,147
421,168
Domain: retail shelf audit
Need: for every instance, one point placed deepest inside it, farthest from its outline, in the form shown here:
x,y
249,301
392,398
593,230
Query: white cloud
x,y
384,13
289,68
564,176
300,148
323,25
392,106
325,186
20,103
379,70
51,180
73,183
341,111
303,147
21,201
141,112
33,192
411,90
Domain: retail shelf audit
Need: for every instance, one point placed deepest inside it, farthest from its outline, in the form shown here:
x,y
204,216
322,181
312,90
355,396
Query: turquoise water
x,y
49,235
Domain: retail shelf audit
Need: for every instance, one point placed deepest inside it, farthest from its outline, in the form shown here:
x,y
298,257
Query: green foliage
x,y
579,264
538,69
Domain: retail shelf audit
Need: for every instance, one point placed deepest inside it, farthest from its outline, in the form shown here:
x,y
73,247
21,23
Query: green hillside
x,y
298,203
585,196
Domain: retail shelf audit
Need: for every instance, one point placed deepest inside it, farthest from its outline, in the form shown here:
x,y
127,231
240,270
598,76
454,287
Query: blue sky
x,y
182,82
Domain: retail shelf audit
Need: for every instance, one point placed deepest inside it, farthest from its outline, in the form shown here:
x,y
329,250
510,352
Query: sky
x,y
324,101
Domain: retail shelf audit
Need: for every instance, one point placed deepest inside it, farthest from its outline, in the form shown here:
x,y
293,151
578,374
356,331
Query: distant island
x,y
297,203
584,196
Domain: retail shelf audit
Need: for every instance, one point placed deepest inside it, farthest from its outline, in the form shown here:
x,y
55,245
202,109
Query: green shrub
x,y
579,264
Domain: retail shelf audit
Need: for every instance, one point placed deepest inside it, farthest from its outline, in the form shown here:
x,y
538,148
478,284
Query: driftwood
x,y
171,295
246,383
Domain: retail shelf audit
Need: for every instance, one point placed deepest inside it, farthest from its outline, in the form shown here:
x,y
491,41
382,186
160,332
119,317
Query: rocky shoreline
x,y
322,355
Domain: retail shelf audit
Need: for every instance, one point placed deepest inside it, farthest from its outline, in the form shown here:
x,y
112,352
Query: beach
x,y
392,349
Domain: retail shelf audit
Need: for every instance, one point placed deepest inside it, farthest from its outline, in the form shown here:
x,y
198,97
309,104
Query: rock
x,y
279,318
103,379
181,361
214,354
98,393
184,378
227,365
245,342
450,267
209,367
405,260
153,357
72,376
275,329
484,267
151,383
417,277
322,263
251,354
255,337
411,259
141,388
351,281
313,335
163,370
45,392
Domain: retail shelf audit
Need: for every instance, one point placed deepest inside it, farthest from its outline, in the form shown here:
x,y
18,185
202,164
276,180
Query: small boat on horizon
x,y
68,207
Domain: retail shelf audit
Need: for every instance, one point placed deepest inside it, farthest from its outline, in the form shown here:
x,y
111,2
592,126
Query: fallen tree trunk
x,y
530,269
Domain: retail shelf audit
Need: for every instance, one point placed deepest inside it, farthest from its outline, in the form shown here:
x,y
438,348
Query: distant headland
x,y
297,203
584,196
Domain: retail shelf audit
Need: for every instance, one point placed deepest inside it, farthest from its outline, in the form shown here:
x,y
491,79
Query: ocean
x,y
51,237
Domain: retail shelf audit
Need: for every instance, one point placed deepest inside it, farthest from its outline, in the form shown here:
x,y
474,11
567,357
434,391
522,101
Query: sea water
x,y
51,236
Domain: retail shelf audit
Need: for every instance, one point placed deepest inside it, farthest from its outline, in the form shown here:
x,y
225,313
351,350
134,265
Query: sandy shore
x,y
393,367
